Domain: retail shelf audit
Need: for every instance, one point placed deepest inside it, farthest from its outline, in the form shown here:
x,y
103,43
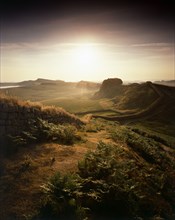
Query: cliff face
x,y
15,116
109,88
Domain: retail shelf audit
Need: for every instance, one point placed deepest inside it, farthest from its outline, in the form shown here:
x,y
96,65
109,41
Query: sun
x,y
85,60
84,54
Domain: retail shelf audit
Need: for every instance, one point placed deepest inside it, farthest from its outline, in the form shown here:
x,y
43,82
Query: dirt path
x,y
23,174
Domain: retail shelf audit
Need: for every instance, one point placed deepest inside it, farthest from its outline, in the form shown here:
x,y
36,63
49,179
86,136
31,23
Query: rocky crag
x,y
109,88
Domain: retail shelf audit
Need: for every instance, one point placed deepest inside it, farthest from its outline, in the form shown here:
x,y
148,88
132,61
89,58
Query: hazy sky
x,y
87,40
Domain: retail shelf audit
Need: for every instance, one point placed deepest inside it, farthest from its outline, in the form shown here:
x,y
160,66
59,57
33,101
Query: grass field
x,y
102,170
80,104
75,104
70,98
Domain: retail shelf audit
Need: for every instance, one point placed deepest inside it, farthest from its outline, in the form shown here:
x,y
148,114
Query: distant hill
x,y
165,82
8,84
132,96
41,81
48,82
88,85
80,84
141,101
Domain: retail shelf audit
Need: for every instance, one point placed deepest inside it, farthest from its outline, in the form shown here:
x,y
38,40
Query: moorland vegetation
x,y
89,167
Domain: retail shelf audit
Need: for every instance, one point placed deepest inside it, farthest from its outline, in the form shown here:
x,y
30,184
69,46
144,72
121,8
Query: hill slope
x,y
128,176
16,115
143,101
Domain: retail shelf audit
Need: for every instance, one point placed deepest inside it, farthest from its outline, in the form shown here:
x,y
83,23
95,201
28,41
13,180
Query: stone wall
x,y
14,118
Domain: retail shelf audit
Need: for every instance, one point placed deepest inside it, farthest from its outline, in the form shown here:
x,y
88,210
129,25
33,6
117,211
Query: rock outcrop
x,y
109,88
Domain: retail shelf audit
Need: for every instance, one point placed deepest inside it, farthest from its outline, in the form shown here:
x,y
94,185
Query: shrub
x,y
151,136
93,126
40,131
144,144
111,184
65,134
60,197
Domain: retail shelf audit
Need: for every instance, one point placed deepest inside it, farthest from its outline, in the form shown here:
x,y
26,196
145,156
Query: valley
x,y
108,155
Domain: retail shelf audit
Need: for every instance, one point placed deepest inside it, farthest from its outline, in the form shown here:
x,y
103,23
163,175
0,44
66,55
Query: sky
x,y
87,40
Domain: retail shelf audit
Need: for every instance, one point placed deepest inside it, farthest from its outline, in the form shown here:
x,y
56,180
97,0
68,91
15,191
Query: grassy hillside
x,y
99,170
7,102
144,102
24,122
128,97
135,96
128,172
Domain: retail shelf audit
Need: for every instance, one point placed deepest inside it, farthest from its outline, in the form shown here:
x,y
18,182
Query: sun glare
x,y
84,54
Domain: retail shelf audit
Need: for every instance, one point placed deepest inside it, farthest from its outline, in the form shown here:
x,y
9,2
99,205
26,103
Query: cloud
x,y
154,44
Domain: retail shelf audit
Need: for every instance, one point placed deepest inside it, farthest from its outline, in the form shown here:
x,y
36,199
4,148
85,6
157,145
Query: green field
x,y
75,105
70,98
80,104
